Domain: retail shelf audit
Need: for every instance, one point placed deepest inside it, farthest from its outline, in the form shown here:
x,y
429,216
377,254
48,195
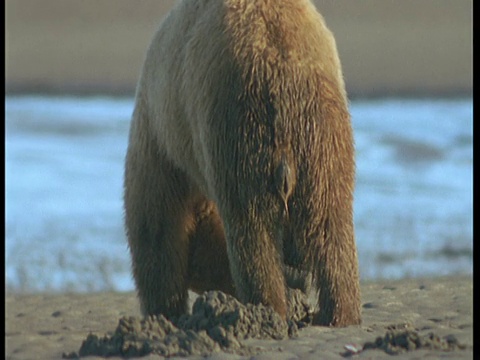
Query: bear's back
x,y
213,59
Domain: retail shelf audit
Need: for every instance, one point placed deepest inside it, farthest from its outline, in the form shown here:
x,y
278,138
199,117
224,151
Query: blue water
x,y
64,169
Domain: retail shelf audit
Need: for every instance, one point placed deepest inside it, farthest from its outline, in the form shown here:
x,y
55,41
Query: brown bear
x,y
240,163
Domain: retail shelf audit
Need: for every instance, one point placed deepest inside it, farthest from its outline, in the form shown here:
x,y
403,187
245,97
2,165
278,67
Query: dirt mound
x,y
218,323
404,337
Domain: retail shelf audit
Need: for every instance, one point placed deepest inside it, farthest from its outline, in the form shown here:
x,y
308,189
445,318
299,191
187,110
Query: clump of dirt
x,y
399,339
218,322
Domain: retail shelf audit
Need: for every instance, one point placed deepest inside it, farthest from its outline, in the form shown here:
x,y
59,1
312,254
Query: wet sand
x,y
399,47
45,326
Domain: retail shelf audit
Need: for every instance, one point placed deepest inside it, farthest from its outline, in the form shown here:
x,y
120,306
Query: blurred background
x,y
387,47
71,69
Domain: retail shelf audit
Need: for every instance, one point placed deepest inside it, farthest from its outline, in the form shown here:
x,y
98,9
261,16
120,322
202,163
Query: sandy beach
x,y
387,48
44,326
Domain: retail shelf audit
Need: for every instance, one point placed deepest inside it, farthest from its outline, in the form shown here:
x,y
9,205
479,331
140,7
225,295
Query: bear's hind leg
x,y
208,265
156,202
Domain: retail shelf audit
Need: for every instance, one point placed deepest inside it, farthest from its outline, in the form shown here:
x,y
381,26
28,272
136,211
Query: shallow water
x,y
64,169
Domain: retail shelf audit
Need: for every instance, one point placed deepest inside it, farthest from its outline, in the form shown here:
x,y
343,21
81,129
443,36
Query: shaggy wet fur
x,y
240,162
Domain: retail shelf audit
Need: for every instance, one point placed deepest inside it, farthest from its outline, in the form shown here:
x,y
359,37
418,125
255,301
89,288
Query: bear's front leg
x,y
337,275
156,198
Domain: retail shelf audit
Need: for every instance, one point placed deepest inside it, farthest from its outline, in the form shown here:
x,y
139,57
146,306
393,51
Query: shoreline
x,y
123,90
48,325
